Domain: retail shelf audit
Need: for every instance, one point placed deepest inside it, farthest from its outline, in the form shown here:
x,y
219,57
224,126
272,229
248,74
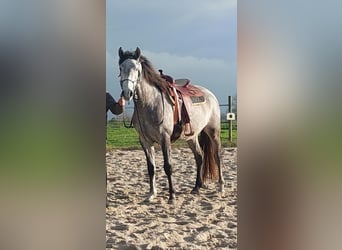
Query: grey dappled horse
x,y
153,119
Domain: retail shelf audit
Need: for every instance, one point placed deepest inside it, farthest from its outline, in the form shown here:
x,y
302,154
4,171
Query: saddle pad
x,y
197,99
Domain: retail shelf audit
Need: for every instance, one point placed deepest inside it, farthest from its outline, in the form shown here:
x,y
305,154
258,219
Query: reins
x,y
123,119
135,99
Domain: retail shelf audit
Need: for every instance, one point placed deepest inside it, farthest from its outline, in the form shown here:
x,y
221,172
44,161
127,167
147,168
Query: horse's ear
x,y
121,52
137,53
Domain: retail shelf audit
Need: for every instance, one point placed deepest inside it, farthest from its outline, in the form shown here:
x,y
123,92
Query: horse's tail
x,y
209,167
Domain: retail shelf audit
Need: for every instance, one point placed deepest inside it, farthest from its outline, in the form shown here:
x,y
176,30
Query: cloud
x,y
195,39
215,74
201,11
206,28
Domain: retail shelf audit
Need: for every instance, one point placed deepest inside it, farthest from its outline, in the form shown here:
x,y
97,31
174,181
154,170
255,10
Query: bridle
x,y
135,82
127,79
136,99
121,81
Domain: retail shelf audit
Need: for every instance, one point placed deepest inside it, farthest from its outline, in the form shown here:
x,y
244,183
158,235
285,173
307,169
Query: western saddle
x,y
181,92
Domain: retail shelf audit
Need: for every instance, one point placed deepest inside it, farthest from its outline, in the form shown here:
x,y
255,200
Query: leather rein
x,y
135,99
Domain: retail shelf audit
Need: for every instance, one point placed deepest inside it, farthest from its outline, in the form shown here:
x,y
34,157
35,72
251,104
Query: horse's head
x,y
130,72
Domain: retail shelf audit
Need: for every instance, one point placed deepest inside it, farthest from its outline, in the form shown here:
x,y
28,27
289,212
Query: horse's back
x,y
211,101
206,113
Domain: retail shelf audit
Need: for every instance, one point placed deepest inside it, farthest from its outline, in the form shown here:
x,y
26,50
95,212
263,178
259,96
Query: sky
x,y
194,39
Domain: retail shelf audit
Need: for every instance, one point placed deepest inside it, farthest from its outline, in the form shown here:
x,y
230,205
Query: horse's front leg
x,y
166,148
149,153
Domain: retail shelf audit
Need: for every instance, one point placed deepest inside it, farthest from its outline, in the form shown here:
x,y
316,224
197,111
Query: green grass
x,y
120,137
127,138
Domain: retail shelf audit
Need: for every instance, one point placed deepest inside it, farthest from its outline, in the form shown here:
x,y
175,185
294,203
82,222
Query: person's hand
x,y
121,101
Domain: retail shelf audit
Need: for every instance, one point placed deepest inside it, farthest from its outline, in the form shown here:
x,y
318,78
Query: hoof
x,y
172,199
150,197
221,188
195,191
148,200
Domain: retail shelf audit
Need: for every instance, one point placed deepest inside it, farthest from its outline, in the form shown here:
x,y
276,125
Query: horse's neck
x,y
148,95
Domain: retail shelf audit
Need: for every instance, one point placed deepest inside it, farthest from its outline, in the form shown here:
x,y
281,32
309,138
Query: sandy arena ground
x,y
207,221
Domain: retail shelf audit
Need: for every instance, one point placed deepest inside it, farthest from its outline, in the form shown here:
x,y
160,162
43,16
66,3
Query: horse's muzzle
x,y
127,95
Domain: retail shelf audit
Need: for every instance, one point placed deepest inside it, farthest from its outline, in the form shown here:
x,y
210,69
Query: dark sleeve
x,y
112,105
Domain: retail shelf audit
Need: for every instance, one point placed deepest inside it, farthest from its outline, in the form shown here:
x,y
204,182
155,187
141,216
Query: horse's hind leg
x,y
217,150
197,151
149,153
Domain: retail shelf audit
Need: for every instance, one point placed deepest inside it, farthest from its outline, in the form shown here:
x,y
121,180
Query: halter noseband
x,y
136,81
121,81
135,96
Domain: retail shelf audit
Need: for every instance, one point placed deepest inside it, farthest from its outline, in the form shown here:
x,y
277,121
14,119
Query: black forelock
x,y
127,55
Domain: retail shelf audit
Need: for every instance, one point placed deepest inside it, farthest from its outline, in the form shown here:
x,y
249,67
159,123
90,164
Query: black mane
x,y
151,75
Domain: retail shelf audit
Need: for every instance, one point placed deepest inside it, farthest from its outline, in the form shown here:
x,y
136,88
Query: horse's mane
x,y
151,76
149,73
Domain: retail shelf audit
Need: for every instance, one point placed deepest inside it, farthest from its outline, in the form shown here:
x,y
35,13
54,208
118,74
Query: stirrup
x,y
187,129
